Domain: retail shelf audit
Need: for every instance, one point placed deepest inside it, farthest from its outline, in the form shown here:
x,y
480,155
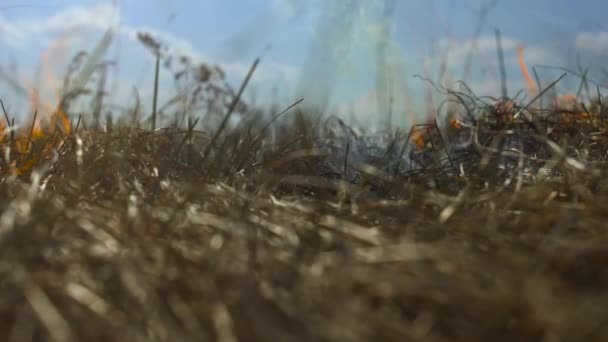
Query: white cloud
x,y
20,32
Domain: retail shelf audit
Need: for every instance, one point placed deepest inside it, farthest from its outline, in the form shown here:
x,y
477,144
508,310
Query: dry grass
x,y
320,234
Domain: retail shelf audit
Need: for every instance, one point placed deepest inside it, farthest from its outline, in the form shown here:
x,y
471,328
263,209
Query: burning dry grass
x,y
490,227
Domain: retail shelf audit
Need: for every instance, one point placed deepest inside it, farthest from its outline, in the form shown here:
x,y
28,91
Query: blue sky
x,y
234,32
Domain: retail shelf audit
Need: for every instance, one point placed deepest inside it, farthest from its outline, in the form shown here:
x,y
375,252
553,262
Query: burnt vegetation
x,y
487,225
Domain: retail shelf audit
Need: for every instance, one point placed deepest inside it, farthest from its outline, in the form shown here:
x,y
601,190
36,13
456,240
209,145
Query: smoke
x,y
329,48
355,33
351,54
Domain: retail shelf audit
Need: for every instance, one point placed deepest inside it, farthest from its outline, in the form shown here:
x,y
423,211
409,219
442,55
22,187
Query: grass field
x,y
487,227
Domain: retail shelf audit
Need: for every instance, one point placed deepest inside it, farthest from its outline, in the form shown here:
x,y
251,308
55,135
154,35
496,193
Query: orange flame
x,y
524,70
23,161
583,116
418,138
59,47
38,132
2,130
50,57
